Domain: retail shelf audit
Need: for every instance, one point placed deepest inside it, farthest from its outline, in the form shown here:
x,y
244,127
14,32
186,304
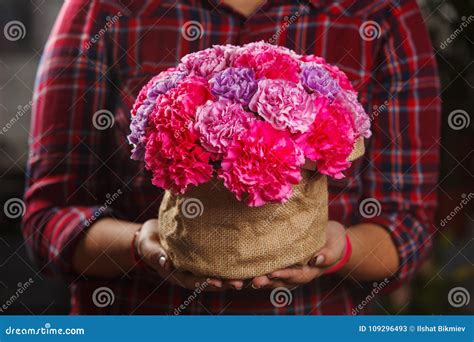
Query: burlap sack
x,y
208,232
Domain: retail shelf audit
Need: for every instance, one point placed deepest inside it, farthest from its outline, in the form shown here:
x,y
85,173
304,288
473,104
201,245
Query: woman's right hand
x,y
149,249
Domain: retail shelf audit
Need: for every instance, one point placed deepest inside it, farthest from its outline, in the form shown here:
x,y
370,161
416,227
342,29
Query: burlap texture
x,y
358,150
209,233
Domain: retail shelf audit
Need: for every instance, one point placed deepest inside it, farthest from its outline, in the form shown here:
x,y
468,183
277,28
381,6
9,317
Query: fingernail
x,y
316,261
255,287
319,260
162,261
274,275
215,283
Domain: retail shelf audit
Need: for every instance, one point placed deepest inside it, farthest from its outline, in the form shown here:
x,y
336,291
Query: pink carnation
x,y
269,62
269,109
330,140
180,103
246,52
262,164
207,62
361,121
219,122
174,167
255,48
284,104
172,150
312,58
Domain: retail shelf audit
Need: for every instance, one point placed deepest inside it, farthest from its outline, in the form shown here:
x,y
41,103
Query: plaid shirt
x,y
99,55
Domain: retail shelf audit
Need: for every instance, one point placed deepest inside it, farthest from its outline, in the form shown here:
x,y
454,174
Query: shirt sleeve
x,y
403,155
68,148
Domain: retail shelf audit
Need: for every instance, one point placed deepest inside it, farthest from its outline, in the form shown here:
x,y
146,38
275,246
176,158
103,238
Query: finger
x,y
284,273
207,284
259,282
325,258
150,248
215,282
300,275
155,255
235,284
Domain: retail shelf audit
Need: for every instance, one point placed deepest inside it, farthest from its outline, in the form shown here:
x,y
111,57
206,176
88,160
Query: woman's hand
x,y
104,251
149,249
328,256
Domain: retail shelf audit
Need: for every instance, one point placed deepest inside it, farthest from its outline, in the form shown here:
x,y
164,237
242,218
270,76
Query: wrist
x,y
346,268
103,249
344,261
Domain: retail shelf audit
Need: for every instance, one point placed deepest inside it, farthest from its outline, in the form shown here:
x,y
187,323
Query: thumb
x,y
155,255
325,257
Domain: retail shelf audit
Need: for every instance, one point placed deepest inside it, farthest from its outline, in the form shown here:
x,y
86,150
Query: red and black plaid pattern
x,y
99,55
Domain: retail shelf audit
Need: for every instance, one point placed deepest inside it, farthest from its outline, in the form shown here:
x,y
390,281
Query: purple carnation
x,y
140,120
316,78
137,128
165,84
236,84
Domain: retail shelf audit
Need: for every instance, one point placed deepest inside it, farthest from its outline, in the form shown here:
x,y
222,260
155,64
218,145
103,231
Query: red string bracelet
x,y
137,257
345,258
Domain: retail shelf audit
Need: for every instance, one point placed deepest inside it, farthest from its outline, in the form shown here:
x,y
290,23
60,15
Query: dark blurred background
x,y
451,265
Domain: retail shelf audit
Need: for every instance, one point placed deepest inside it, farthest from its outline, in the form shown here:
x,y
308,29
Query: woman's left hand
x,y
328,256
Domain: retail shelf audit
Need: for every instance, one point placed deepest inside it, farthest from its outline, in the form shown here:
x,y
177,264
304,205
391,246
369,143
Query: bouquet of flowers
x,y
234,125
